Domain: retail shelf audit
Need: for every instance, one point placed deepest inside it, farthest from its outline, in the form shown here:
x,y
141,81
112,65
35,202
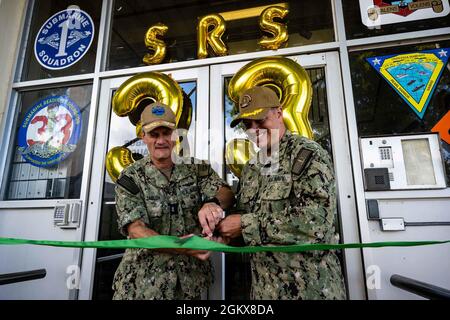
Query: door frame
x,y
94,206
353,260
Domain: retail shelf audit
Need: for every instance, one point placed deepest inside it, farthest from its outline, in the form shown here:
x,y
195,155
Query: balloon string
x,y
129,143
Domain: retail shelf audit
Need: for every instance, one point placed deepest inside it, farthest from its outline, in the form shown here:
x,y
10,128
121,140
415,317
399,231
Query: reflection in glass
x,y
43,167
107,259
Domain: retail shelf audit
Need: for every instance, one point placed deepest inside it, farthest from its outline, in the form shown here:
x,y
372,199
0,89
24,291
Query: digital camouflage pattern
x,y
287,208
146,274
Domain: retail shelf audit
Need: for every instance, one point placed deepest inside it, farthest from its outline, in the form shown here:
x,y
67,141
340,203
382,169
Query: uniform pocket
x,y
276,190
247,195
155,216
188,192
275,195
154,208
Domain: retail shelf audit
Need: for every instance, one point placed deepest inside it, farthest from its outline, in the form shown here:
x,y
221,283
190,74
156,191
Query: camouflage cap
x,y
157,115
255,103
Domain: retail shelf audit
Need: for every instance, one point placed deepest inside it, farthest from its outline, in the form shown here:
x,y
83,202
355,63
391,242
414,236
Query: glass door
x,y
327,118
100,265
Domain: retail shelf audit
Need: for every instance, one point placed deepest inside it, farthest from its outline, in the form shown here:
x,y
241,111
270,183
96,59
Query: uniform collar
x,y
282,147
284,142
180,172
153,175
158,179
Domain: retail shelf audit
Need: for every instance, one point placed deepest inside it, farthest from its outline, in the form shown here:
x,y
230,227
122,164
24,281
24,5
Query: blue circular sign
x,y
64,39
50,131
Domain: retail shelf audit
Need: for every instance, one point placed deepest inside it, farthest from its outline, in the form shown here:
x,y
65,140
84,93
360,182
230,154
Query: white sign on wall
x,y
375,13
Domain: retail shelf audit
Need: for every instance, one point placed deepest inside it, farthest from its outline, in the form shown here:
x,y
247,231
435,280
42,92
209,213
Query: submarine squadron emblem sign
x,y
64,39
50,131
413,76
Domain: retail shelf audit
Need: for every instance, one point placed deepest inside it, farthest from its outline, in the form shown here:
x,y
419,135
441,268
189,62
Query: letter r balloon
x,y
212,38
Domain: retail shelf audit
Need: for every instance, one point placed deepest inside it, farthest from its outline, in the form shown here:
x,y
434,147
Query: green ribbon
x,y
198,243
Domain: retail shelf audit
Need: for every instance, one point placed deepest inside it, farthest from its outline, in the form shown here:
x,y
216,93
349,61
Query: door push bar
x,y
423,289
8,278
395,224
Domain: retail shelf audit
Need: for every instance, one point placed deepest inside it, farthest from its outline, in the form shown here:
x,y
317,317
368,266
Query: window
x,y
356,29
42,11
49,144
308,23
381,111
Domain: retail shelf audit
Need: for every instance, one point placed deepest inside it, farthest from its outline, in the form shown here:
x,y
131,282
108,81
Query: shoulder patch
x,y
301,161
203,169
128,184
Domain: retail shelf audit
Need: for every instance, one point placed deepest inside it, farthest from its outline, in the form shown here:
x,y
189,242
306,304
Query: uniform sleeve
x,y
130,207
307,216
209,181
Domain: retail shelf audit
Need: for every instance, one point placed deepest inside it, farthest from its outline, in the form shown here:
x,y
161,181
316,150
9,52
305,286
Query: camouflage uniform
x,y
297,204
146,274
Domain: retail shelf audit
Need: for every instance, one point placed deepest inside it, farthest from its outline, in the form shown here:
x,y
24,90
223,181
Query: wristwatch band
x,y
214,199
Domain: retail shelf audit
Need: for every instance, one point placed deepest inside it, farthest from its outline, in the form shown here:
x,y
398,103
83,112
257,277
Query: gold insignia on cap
x,y
246,99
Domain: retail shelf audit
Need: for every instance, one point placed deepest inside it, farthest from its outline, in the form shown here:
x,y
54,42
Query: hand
x,y
209,216
202,255
221,239
138,229
230,227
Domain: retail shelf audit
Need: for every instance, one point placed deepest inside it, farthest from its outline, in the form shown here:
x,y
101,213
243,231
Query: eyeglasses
x,y
248,123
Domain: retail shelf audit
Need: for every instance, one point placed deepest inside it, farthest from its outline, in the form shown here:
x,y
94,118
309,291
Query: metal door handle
x,y
8,278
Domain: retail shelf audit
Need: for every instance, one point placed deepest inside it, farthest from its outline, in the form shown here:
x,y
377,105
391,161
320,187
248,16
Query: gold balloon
x,y
186,114
117,159
158,86
278,30
153,43
213,37
151,86
288,79
238,152
183,123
